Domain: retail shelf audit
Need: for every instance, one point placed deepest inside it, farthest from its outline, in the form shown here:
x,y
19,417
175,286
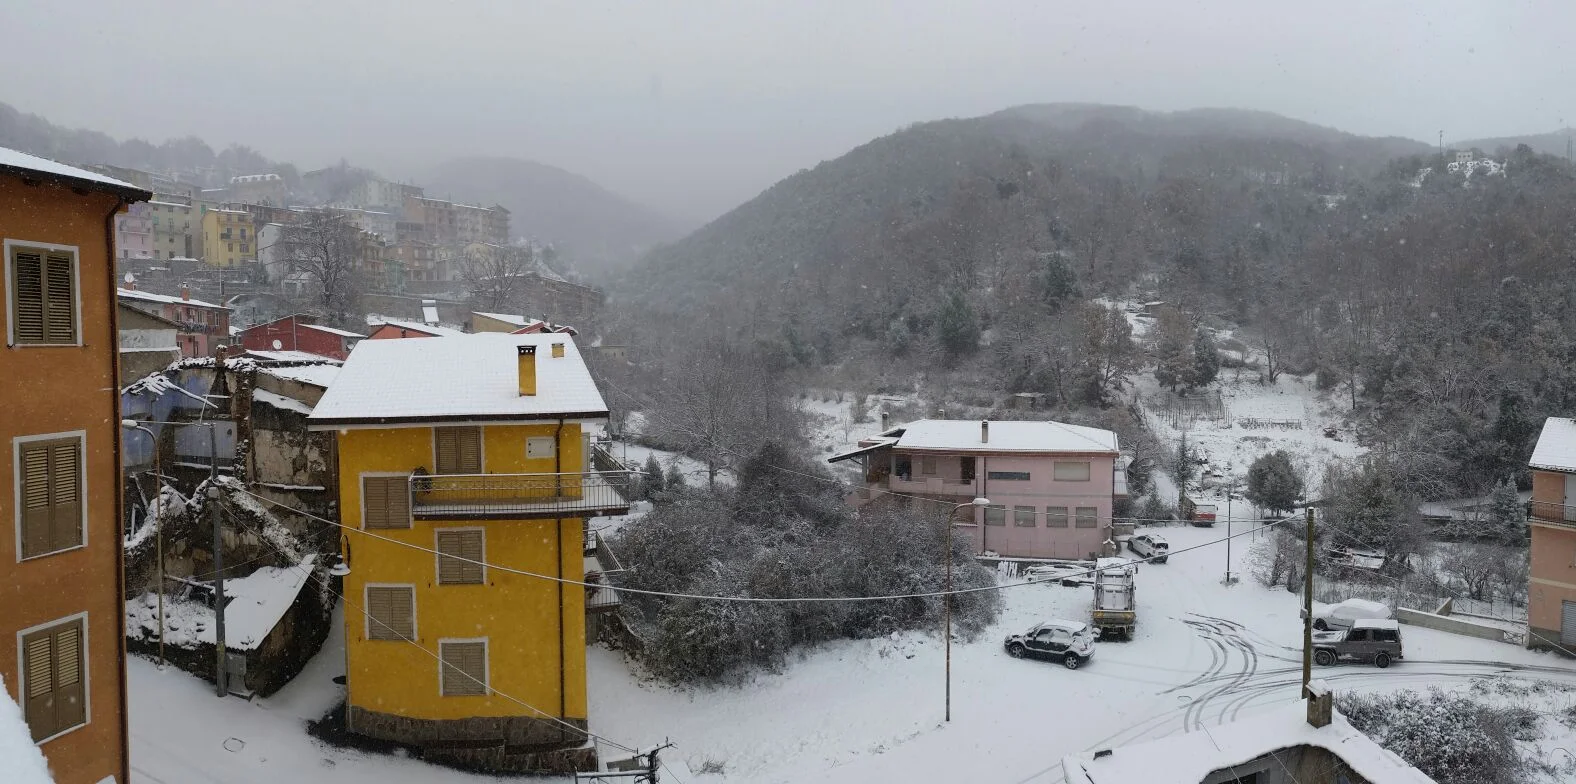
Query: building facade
x,y
266,189
63,613
177,233
228,239
1050,485
1551,587
299,332
479,459
204,326
134,232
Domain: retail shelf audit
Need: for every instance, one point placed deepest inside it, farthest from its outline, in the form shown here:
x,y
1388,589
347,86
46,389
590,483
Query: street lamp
x,y
158,494
946,599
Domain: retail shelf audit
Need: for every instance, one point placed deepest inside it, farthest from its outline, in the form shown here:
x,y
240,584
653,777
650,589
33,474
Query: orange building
x,y
1551,589
62,613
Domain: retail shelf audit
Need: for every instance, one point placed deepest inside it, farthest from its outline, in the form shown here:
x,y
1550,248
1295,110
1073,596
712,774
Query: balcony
x,y
519,496
1546,513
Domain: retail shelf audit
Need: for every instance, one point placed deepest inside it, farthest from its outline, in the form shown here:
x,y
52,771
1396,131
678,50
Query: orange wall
x,y
58,389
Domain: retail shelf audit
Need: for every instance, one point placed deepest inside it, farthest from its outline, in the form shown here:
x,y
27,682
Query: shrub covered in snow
x,y
1452,738
782,533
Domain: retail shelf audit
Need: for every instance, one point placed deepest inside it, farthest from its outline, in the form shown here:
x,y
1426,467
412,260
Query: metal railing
x,y
1548,512
474,496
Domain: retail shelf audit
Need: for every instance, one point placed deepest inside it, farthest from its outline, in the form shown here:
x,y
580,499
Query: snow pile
x,y
168,506
20,760
254,604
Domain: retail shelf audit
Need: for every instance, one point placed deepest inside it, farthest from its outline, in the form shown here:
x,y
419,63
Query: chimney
x,y
558,350
527,371
884,417
1319,704
186,293
984,432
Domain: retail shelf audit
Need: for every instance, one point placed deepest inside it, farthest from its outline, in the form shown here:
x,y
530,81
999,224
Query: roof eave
x,y
330,423
127,192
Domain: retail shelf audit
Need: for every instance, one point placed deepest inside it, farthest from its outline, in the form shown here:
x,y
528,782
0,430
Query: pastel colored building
x,y
1050,485
460,452
177,229
228,239
204,326
134,232
62,605
1551,585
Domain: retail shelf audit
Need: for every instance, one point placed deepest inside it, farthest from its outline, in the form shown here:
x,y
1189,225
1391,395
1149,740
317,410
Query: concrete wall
x,y
1446,623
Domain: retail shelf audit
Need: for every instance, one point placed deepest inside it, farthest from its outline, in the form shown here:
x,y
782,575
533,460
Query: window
x,y
539,447
927,466
966,469
391,612
385,501
43,284
1015,476
1023,516
49,490
54,687
1055,517
1357,635
1071,471
467,544
462,667
995,515
1386,635
1086,517
459,449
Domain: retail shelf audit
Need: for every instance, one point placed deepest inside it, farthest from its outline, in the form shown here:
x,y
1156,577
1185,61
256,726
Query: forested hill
x,y
972,204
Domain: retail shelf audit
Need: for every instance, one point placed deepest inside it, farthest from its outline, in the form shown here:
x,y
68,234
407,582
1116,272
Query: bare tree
x,y
1109,350
326,248
497,275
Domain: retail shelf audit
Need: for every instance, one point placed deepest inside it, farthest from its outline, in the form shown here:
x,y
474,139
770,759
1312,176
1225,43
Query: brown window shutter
x,y
397,508
39,673
465,544
27,296
374,494
70,694
379,609
470,450
447,447
392,610
65,479
36,503
471,549
463,669
404,614
60,320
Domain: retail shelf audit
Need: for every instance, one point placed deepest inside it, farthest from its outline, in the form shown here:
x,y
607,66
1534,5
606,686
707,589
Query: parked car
x,y
1150,546
1070,642
1368,640
1342,615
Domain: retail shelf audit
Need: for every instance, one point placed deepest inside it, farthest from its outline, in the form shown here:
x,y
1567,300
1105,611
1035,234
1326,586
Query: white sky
x,y
696,106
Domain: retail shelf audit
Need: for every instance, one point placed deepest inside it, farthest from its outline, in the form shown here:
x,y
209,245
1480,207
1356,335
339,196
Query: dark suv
x,y
1369,640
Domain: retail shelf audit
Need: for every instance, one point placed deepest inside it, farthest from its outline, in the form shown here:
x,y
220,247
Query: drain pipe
x,y
563,678
120,496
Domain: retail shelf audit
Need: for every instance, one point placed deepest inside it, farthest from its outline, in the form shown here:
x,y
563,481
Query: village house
x,y
63,612
174,235
204,325
134,232
389,328
514,325
473,448
1050,485
228,239
300,332
1551,584
148,343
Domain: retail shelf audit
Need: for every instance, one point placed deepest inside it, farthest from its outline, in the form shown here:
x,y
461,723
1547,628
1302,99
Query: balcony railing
x,y
519,496
1557,514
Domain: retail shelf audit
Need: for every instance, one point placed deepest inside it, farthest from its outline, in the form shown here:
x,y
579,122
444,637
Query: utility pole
x,y
212,508
1307,610
1230,489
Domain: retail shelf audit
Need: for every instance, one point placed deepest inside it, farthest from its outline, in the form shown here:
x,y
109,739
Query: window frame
x,y
438,554
1056,469
487,689
481,446
361,488
81,437
1052,516
84,665
1001,510
366,607
1017,516
1079,517
7,248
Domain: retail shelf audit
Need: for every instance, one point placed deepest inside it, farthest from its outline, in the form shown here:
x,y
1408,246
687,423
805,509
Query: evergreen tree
x,y
1206,362
1059,284
1174,365
651,483
1273,482
1187,467
957,327
675,480
1513,429
1507,515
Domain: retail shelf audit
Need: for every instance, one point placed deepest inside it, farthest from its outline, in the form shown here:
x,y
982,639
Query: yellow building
x,y
228,239
470,446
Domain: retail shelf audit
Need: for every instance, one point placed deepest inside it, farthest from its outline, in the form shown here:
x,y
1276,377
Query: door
x,y
1358,646
1568,623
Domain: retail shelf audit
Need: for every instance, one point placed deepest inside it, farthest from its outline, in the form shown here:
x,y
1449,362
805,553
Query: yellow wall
x,y
519,615
220,252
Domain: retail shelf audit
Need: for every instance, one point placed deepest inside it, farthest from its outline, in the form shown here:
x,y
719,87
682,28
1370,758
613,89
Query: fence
x,y
1180,411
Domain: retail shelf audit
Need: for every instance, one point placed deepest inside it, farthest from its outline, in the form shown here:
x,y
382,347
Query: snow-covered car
x,y
1368,640
1150,546
1343,614
1070,642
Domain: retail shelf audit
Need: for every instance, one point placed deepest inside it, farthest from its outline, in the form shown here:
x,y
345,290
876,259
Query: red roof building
x,y
300,332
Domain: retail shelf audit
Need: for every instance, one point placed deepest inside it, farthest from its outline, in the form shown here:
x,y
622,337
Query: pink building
x,y
134,232
1050,485
204,326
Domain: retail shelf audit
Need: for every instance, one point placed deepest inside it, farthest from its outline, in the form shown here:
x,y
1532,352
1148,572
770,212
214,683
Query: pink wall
x,y
134,232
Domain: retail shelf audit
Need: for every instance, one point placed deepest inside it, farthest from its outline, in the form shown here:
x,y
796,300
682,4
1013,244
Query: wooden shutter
x,y
466,544
459,450
397,511
464,668
55,698
65,480
60,302
27,296
385,501
392,611
36,534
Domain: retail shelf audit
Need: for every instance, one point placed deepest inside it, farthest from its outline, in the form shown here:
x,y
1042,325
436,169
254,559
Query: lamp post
x,y
946,599
158,481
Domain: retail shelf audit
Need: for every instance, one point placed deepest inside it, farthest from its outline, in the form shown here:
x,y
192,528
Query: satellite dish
x,y
278,345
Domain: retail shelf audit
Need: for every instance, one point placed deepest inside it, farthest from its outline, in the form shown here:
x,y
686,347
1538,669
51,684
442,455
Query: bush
x,y
1452,738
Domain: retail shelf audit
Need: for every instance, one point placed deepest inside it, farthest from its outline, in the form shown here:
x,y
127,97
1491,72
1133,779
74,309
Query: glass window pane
x,y
1071,470
1023,516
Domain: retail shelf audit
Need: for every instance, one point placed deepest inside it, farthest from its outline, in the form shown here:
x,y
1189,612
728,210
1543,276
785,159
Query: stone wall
x,y
485,743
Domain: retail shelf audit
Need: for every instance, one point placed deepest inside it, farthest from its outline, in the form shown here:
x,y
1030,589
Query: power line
x,y
424,649
721,598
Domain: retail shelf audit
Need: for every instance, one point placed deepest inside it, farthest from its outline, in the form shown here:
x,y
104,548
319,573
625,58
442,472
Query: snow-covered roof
x,y
320,374
258,600
280,402
164,299
963,435
1377,623
1191,757
345,333
1556,449
20,760
507,318
458,378
17,162
285,355
428,329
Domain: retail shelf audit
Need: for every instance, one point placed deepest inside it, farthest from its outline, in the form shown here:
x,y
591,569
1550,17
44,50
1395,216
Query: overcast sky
x,y
694,107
